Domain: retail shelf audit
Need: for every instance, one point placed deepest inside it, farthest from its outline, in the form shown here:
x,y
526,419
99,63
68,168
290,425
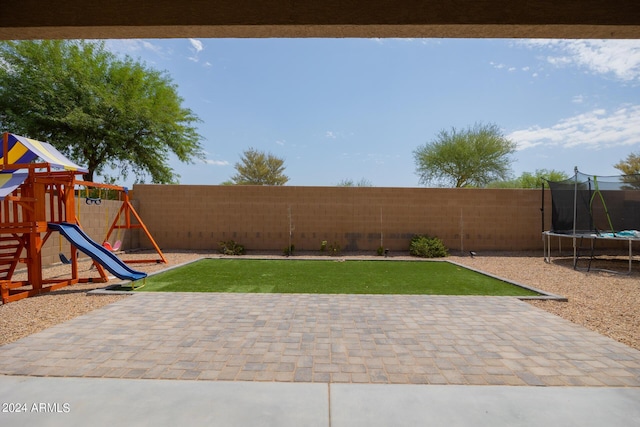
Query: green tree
x,y
351,183
471,157
629,166
259,168
99,110
531,180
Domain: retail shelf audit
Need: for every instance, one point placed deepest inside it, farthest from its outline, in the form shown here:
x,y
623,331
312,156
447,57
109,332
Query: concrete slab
x,y
370,405
108,402
37,401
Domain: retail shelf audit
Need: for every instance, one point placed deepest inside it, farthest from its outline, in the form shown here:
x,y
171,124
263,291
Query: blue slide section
x,y
97,252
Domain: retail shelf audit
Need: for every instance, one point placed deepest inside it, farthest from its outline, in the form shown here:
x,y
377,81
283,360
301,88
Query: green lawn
x,y
329,277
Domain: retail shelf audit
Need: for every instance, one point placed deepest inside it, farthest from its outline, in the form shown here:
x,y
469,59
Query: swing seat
x,y
64,259
115,247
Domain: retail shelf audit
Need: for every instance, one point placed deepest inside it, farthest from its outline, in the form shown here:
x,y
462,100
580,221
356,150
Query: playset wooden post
x,y
125,211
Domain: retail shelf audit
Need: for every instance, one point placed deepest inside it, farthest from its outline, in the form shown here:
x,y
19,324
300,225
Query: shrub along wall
x,y
356,218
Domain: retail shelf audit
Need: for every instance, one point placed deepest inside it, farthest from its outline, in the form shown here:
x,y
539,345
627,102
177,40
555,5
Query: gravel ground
x,y
604,302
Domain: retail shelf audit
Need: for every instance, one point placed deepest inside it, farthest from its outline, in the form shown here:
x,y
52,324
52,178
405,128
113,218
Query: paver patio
x,y
326,338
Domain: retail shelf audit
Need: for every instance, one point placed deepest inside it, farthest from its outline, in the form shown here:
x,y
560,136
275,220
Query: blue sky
x,y
338,109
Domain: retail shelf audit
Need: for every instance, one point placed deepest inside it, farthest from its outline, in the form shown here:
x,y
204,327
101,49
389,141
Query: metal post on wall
x,y
542,207
575,214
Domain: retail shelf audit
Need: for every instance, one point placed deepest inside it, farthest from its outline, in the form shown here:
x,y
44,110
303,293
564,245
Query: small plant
x,y
231,247
289,250
427,247
380,251
323,246
334,249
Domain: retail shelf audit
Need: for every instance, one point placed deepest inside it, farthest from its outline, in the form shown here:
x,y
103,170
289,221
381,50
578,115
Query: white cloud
x,y
215,162
511,69
596,129
578,99
620,58
196,47
330,134
133,46
281,142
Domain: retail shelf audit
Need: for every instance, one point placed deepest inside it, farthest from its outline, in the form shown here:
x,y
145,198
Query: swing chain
x,y
93,201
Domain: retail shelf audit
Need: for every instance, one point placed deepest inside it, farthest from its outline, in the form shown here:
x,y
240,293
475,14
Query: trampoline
x,y
598,210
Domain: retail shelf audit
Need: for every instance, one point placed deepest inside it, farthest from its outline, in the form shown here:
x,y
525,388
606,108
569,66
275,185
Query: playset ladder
x,y
10,249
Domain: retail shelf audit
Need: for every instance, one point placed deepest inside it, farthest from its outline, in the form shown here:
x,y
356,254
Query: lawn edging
x,y
544,295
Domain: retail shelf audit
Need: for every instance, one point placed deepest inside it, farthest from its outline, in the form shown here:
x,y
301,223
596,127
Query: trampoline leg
x,y
546,256
593,244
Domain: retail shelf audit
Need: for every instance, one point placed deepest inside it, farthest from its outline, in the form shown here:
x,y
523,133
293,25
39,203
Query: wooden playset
x,y
38,199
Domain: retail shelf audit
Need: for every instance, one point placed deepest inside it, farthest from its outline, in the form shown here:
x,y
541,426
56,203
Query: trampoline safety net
x,y
588,204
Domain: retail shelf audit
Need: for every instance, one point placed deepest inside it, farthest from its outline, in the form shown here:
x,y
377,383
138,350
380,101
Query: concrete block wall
x,y
356,218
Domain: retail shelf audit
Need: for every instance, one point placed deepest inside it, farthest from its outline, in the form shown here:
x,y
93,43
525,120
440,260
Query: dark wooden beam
x,y
22,19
